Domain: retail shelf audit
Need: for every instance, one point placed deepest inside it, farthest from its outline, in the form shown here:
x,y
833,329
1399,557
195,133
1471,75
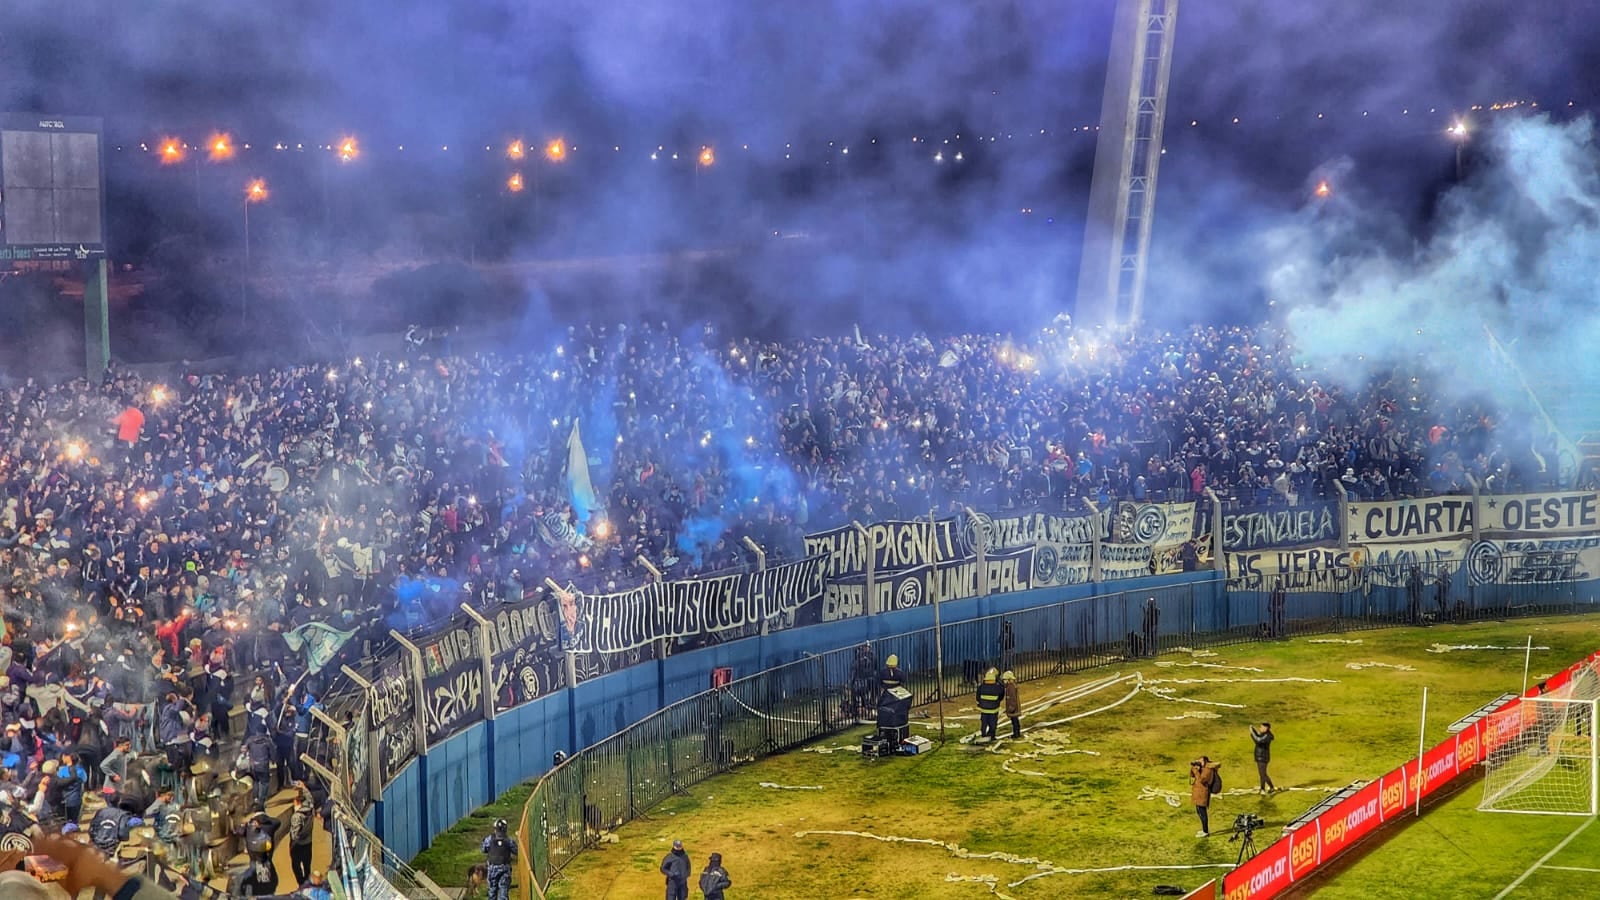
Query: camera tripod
x,y
1247,847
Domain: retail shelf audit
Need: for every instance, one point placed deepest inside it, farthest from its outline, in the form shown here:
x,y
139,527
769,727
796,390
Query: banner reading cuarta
x,y
1410,521
610,623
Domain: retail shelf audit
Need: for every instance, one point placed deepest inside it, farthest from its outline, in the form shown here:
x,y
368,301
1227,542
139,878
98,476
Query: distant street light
x,y
1323,190
1458,133
348,149
708,157
219,147
514,183
516,150
556,150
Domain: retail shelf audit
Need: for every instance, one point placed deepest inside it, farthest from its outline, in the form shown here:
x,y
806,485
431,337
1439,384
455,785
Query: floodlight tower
x,y
1122,196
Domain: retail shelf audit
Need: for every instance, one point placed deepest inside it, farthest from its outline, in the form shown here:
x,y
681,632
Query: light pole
x,y
1458,133
254,192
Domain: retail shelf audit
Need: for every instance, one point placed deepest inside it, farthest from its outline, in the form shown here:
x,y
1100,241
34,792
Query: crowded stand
x,y
181,554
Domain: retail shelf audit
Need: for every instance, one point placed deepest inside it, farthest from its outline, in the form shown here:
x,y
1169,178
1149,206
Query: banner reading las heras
x,y
1315,569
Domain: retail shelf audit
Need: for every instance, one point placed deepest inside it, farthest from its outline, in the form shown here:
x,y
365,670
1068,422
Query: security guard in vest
x,y
990,695
891,676
500,851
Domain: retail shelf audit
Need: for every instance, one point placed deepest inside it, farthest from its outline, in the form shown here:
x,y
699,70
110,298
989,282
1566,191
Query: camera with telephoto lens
x,y
1244,824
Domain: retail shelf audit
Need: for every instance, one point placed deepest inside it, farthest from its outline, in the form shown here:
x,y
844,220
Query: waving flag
x,y
579,486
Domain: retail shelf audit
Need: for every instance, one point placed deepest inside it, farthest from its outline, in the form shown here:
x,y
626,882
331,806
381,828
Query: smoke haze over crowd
x,y
893,237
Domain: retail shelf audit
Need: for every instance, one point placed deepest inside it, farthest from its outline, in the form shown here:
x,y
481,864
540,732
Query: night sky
x,y
896,220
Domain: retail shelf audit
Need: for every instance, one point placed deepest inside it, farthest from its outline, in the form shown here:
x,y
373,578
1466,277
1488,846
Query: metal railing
x,y
711,733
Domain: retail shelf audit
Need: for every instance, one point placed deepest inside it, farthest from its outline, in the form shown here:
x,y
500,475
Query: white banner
x,y
1569,512
1329,569
1410,521
1154,523
1534,561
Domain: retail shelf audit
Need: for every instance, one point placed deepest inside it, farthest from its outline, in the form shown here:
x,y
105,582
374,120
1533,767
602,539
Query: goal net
x,y
1552,766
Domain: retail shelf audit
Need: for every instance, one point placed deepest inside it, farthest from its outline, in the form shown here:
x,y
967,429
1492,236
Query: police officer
x,y
891,676
990,694
500,851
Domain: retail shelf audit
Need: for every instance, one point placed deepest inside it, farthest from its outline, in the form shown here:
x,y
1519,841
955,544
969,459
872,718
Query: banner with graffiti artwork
x,y
1013,532
609,623
1391,565
1568,512
1411,521
357,758
1153,523
526,660
1002,572
394,715
452,681
1280,527
888,546
1534,561
1314,569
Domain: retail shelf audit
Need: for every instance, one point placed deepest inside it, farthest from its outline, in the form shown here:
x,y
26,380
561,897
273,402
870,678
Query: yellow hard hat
x,y
1009,676
989,676
892,660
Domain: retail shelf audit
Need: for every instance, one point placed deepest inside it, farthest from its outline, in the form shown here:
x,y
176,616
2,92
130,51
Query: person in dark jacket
x,y
675,867
71,778
257,754
172,727
714,880
990,695
110,827
1262,738
302,827
500,851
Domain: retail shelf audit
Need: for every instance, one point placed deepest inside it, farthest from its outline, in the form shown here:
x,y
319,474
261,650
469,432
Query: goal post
x,y
1553,766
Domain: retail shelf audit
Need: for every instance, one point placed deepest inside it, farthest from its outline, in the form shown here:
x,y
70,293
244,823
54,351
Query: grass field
x,y
1076,805
1454,850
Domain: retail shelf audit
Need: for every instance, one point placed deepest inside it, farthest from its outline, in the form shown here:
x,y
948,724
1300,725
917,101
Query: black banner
x,y
526,659
452,680
609,623
891,546
394,715
1007,571
1280,528
358,761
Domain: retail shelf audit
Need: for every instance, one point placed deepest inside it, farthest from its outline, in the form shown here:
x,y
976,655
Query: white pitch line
x,y
1570,869
1544,859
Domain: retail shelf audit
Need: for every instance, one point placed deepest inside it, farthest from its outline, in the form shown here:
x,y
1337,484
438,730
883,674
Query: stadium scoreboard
x,y
52,199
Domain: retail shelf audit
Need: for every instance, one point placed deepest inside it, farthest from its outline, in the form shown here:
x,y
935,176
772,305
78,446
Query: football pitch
x,y
1093,800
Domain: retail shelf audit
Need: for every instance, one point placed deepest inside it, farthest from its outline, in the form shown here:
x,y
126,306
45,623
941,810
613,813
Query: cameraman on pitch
x,y
1203,782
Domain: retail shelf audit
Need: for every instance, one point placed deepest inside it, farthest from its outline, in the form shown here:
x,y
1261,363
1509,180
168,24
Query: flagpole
x,y
938,626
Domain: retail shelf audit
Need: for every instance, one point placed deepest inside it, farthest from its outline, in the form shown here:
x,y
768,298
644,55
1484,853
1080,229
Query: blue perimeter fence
x,y
654,727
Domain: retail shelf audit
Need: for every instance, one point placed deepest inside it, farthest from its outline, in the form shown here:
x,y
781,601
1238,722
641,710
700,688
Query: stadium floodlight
x,y
219,147
1551,766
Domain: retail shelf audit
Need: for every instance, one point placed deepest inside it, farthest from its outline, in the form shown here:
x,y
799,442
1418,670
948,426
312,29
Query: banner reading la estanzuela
x,y
610,623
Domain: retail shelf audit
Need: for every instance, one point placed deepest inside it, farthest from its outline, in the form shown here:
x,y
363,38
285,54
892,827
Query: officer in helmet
x,y
990,694
500,851
891,676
